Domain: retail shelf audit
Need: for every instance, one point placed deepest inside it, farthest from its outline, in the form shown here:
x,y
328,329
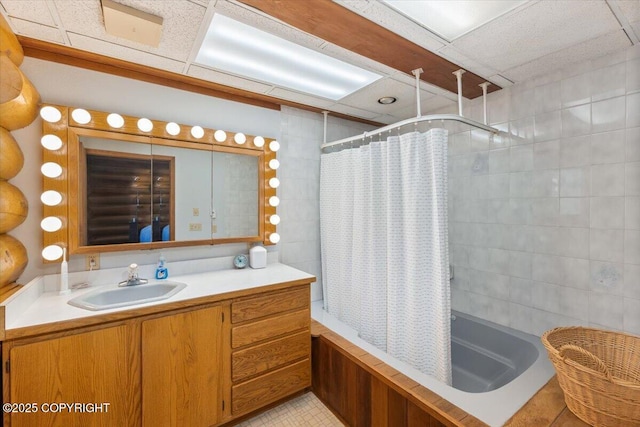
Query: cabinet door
x,y
87,369
182,369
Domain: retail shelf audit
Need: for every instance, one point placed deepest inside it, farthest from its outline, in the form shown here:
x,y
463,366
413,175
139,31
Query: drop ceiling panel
x,y
589,49
438,103
300,98
367,97
227,79
38,31
466,63
535,31
631,9
428,103
181,21
387,17
125,53
30,10
355,5
352,111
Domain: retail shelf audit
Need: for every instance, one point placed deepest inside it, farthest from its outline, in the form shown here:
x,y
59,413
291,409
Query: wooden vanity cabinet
x,y
202,365
94,367
271,348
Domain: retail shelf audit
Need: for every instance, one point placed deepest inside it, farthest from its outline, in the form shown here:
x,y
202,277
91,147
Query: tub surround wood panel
x,y
361,390
546,409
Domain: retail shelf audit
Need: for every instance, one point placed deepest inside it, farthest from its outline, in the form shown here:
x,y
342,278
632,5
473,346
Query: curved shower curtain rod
x,y
419,118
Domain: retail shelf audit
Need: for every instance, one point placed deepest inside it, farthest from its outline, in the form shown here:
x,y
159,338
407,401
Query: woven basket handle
x,y
599,364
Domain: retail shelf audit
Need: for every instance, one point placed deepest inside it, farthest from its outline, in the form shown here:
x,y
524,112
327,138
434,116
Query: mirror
x,y
165,185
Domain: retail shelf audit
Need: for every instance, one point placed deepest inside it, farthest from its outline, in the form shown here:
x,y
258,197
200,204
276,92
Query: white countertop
x,y
32,308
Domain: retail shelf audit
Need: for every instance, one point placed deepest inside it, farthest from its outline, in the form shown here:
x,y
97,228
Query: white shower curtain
x,y
385,262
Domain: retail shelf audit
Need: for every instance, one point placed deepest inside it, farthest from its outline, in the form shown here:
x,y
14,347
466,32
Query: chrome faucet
x,y
133,279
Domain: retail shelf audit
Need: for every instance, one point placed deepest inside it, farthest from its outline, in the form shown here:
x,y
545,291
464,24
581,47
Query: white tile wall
x,y
547,233
300,138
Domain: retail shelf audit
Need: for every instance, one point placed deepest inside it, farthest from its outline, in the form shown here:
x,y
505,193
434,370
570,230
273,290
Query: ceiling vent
x,y
131,24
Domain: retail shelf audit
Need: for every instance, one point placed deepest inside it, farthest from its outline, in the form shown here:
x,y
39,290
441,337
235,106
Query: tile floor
x,y
306,410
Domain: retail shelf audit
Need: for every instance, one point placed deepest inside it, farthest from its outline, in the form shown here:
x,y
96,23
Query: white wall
x,y
299,192
65,85
545,223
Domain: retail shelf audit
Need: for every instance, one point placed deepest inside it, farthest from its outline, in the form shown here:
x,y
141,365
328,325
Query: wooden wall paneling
x,y
379,403
397,409
363,398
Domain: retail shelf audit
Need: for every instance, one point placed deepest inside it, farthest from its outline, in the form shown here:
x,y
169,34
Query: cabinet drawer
x,y
268,388
266,305
263,357
269,328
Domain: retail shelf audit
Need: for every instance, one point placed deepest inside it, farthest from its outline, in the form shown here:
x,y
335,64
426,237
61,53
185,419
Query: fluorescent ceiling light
x,y
240,49
451,19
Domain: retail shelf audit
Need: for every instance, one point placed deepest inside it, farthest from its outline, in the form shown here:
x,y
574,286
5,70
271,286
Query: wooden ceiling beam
x,y
342,27
92,61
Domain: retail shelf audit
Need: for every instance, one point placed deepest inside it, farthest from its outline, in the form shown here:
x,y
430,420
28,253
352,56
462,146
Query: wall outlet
x,y
92,262
196,211
214,228
195,226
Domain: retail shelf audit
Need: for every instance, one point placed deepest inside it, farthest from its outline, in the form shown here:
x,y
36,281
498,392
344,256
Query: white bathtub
x,y
501,368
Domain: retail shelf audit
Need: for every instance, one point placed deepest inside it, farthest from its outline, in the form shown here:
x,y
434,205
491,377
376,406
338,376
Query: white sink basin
x,y
112,297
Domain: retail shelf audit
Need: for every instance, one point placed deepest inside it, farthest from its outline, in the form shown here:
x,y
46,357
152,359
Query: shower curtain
x,y
385,262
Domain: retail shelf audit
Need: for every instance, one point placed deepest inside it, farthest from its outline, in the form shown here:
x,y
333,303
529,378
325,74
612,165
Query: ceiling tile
x,y
409,111
357,112
30,10
132,55
36,31
466,63
631,9
227,79
354,5
535,31
181,21
390,19
590,49
301,98
387,119
500,80
368,97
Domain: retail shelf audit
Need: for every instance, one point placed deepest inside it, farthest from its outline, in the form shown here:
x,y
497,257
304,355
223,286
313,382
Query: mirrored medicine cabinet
x,y
116,183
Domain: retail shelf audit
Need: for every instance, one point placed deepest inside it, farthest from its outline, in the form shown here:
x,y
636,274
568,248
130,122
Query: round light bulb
x,y
50,114
258,141
274,219
51,224
81,116
240,138
51,170
172,128
145,125
274,238
274,183
197,132
51,198
115,120
274,146
220,135
52,252
274,164
51,142
274,201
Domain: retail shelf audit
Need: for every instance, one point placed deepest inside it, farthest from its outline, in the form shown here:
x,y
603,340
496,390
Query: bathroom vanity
x,y
230,343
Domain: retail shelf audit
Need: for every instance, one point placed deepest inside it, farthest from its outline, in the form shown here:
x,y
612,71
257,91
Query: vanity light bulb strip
x,y
54,164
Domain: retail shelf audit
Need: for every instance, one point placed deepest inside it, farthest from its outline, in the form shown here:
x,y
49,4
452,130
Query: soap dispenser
x,y
161,271
258,257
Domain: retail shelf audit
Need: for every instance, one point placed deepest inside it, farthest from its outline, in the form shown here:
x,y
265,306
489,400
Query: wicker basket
x,y
599,372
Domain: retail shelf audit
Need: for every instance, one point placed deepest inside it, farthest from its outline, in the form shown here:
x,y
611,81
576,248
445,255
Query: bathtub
x,y
495,369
